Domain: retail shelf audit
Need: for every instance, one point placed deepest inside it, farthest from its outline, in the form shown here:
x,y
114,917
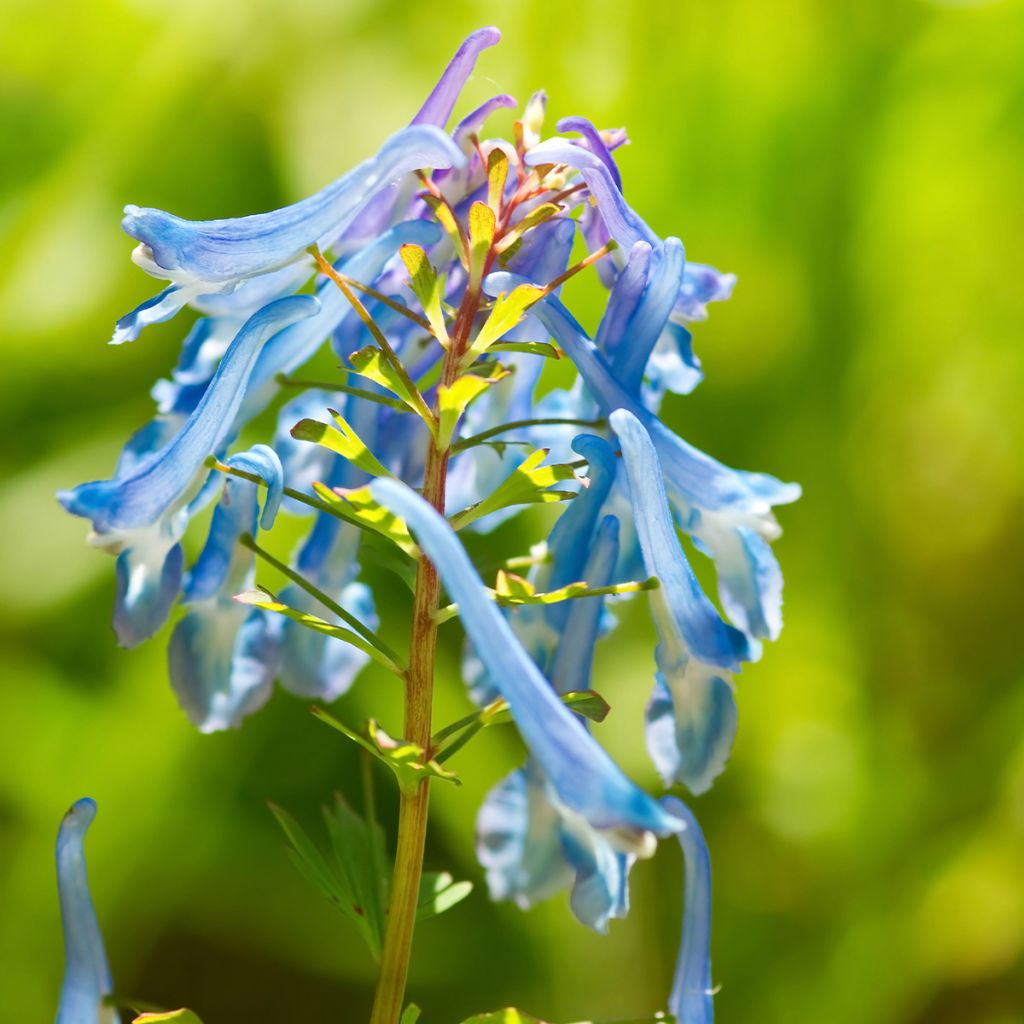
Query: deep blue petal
x,y
585,778
628,289
688,622
86,973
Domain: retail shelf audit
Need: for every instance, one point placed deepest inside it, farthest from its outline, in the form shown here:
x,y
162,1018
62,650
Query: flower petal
x,y
595,143
581,772
216,255
690,1001
86,973
441,101
159,483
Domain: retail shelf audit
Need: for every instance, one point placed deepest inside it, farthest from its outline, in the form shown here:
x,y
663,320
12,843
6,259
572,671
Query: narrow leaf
x,y
427,287
508,310
345,441
497,175
370,362
482,225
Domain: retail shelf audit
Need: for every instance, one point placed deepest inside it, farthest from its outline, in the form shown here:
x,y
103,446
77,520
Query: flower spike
x,y
87,979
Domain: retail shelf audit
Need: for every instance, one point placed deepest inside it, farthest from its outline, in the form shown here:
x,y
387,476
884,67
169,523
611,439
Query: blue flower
x,y
726,511
690,1000
87,979
223,655
207,257
441,101
691,719
583,777
142,513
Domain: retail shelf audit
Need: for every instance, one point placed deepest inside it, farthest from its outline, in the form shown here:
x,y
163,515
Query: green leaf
x,y
361,854
345,441
528,484
405,759
507,312
482,224
357,505
410,1014
356,880
170,1017
511,589
371,363
453,737
497,175
268,602
533,348
427,287
513,1016
439,892
453,400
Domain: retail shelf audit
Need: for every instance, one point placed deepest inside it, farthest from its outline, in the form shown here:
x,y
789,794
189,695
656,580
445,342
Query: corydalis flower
x,y
141,514
86,973
585,779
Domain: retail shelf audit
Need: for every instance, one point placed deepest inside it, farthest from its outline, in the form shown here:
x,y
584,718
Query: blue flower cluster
x,y
569,817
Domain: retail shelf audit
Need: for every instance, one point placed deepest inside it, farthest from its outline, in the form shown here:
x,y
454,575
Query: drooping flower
x,y
223,655
141,514
87,979
690,1000
210,257
691,718
583,777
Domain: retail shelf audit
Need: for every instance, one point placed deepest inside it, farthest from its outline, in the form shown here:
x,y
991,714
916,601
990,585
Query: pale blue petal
x,y
518,840
690,724
585,778
601,889
318,666
155,310
222,660
690,1001
441,101
673,365
211,256
86,973
148,580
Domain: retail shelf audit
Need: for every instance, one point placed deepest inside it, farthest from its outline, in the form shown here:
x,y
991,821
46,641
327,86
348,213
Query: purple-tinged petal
x,y
473,122
625,225
441,101
86,973
626,293
595,142
585,778
690,1001
702,284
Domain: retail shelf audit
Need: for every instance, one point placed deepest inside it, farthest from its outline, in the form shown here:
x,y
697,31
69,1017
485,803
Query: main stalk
x,y
412,814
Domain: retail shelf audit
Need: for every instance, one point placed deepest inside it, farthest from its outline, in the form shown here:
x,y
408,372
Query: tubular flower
x,y
584,778
222,655
86,973
142,513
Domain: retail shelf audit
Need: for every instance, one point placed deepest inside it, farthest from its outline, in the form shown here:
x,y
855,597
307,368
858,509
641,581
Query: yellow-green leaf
x,y
427,287
507,312
370,362
344,440
358,506
497,175
482,224
536,216
170,1017
453,400
527,484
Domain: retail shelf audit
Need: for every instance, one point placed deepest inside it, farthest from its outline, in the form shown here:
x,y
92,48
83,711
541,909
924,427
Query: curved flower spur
x,y
440,267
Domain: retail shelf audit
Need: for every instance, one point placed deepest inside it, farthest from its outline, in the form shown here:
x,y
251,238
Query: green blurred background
x,y
859,166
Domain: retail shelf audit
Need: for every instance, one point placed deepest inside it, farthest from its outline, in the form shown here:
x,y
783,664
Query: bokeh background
x,y
860,166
